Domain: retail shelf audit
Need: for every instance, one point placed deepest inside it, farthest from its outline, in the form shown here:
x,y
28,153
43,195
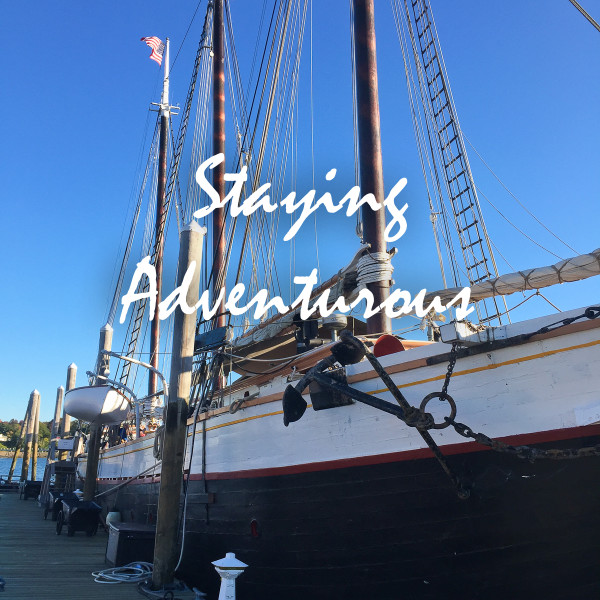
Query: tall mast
x,y
160,209
369,144
218,226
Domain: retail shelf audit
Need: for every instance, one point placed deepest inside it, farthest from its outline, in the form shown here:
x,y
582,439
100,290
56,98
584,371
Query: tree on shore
x,y
12,429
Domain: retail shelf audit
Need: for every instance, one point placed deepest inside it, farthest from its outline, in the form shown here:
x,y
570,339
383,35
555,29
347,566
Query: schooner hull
x,y
349,503
398,530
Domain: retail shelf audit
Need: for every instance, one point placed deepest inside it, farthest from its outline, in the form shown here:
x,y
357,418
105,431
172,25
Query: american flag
x,y
157,48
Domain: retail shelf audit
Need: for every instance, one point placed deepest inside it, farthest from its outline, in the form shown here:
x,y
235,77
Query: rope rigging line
x,y
135,190
423,155
135,323
287,98
222,232
585,14
178,204
517,228
460,139
256,168
312,137
359,227
260,157
199,141
447,149
518,201
117,294
185,36
425,148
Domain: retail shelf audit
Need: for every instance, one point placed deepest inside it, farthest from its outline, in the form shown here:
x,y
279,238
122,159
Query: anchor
x,y
350,350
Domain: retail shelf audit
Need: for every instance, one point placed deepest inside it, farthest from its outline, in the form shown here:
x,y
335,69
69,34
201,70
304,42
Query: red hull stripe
x,y
540,437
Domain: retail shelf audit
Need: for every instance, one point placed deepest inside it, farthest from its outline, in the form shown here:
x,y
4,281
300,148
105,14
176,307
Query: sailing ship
x,y
339,460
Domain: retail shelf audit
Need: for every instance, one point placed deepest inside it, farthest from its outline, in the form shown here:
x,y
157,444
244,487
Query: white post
x,y
229,568
165,94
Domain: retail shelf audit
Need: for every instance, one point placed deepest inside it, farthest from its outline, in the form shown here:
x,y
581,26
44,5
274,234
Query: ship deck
x,y
37,563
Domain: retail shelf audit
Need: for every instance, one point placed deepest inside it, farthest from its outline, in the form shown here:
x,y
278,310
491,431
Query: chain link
x,y
424,421
451,364
526,452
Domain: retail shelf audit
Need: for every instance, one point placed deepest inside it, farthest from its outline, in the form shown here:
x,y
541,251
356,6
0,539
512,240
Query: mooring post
x,y
36,434
56,422
28,438
65,428
93,446
229,568
21,437
176,410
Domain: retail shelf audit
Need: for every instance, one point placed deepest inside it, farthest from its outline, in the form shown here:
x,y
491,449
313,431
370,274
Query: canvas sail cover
x,y
571,269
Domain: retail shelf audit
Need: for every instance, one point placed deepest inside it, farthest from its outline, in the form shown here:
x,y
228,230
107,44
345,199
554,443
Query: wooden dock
x,y
37,563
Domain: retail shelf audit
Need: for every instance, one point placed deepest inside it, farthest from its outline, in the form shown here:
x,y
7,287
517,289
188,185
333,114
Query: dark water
x,y
5,467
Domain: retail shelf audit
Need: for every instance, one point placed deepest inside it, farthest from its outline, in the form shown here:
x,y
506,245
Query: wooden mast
x,y
160,217
369,141
218,223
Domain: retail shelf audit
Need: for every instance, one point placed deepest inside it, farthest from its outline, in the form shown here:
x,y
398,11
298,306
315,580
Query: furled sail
x,y
571,269
344,283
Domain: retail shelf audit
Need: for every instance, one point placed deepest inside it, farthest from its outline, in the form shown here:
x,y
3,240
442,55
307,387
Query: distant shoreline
x,y
10,454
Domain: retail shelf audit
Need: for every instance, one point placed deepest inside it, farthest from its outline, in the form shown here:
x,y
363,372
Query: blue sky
x,y
77,83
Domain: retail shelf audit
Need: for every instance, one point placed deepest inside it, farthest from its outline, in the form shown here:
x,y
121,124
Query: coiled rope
x,y
374,267
131,573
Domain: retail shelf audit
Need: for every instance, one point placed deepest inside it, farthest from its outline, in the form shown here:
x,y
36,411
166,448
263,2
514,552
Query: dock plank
x,y
37,563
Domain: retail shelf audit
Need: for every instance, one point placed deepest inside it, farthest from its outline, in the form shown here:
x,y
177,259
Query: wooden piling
x,y
176,411
28,439
65,428
56,422
21,437
36,435
93,446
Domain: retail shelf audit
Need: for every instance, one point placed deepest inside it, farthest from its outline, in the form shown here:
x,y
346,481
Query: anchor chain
x,y
451,365
443,396
411,414
351,350
525,452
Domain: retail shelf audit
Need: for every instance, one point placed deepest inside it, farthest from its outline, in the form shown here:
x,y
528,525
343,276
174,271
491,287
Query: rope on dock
x,y
131,573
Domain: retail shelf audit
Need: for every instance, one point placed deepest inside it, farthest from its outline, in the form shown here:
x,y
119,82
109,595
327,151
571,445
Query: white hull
x,y
547,384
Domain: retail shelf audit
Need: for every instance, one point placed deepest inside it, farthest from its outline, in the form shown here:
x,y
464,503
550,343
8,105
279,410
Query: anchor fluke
x,y
294,405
